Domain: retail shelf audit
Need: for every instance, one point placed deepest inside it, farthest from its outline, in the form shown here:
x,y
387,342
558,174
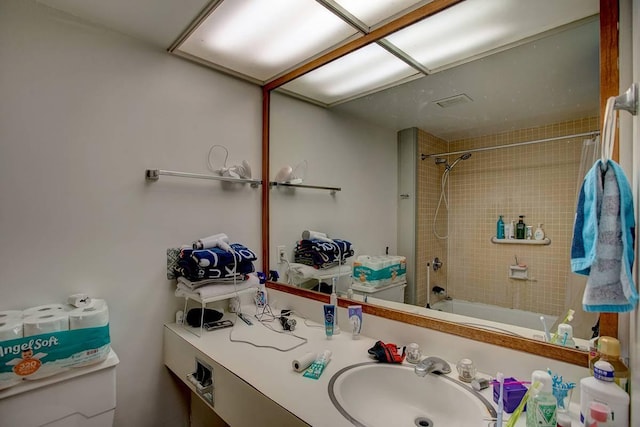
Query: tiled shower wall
x,y
538,181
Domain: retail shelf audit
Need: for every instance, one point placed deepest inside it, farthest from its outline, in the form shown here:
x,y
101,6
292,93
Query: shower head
x,y
465,156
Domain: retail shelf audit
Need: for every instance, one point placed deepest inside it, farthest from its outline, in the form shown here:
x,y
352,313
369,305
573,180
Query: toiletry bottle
x,y
333,299
564,337
512,230
539,234
609,351
500,228
521,228
602,388
541,406
529,234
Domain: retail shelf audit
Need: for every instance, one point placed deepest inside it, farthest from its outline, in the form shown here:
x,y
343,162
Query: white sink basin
x,y
379,394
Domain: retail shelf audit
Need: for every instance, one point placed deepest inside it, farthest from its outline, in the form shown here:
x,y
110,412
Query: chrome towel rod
x,y
154,175
517,144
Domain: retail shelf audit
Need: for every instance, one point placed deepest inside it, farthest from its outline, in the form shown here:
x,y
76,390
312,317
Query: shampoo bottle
x,y
542,406
521,228
539,234
500,228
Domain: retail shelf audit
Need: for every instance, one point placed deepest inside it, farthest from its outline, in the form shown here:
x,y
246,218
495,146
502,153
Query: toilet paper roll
x,y
54,321
10,329
10,314
304,362
79,300
44,309
92,316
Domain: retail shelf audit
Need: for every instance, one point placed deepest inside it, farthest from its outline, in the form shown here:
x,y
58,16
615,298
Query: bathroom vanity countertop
x,y
270,372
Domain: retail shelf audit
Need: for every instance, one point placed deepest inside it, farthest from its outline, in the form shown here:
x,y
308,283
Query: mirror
x,y
345,149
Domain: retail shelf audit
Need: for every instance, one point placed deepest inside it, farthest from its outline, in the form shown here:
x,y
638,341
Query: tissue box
x,y
379,270
512,394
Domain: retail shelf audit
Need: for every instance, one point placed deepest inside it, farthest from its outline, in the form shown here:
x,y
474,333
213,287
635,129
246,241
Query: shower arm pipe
x,y
517,144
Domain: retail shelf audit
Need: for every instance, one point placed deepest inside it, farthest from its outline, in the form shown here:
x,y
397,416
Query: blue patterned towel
x,y
214,263
320,254
216,257
603,240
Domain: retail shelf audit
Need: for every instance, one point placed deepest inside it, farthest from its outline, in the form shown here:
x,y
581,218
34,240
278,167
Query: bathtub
x,y
511,316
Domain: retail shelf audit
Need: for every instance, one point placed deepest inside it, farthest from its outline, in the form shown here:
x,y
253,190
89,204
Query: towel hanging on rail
x,y
604,231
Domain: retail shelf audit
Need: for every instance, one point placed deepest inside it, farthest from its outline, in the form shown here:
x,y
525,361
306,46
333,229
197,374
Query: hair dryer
x,y
216,241
315,235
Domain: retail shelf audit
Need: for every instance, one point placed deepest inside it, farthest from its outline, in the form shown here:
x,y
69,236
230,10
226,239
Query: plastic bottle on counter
x,y
500,228
564,337
542,406
602,388
608,350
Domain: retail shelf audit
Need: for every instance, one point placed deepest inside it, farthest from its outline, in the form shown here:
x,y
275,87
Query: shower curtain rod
x,y
517,144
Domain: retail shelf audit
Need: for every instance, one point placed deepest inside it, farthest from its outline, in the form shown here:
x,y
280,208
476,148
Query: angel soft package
x,y
46,340
379,270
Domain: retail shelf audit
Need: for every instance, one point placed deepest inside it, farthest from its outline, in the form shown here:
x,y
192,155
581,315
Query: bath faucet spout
x,y
430,365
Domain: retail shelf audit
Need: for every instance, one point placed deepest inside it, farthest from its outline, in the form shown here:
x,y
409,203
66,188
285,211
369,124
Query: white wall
x,y
83,112
341,152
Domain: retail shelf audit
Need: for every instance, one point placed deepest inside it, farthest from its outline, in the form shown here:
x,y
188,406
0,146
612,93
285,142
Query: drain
x,y
423,422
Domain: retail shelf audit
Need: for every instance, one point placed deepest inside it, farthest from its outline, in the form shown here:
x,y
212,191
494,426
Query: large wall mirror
x,y
398,157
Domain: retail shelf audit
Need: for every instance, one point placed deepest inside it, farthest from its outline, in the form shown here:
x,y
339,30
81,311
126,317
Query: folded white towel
x,y
216,290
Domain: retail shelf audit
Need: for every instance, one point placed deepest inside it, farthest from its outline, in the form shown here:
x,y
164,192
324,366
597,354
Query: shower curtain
x,y
582,322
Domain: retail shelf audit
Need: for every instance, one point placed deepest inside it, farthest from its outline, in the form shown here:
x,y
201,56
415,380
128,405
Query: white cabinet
x,y
233,400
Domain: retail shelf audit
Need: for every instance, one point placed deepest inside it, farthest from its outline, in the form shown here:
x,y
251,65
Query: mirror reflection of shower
x,y
443,189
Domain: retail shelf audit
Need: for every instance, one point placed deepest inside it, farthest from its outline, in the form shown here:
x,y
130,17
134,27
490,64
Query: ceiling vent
x,y
453,100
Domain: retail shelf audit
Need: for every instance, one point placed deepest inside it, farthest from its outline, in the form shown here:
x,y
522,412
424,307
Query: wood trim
x,y
266,115
391,27
609,86
551,351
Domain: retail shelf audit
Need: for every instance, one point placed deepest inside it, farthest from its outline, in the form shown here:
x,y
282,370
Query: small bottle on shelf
x,y
539,234
500,228
521,228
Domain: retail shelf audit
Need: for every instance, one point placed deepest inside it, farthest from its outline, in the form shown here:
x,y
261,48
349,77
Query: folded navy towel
x,y
321,254
216,257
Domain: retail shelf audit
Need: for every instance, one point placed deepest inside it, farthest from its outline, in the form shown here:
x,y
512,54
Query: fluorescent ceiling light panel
x,y
262,39
475,27
375,12
362,71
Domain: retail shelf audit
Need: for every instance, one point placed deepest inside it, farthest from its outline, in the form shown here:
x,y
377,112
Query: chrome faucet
x,y
431,364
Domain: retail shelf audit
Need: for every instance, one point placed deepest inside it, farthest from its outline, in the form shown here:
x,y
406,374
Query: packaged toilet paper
x,y
46,340
379,270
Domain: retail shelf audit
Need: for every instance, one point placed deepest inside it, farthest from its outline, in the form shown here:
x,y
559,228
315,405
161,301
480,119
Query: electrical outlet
x,y
282,255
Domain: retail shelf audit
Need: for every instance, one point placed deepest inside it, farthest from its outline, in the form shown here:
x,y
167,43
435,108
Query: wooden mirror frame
x,y
609,86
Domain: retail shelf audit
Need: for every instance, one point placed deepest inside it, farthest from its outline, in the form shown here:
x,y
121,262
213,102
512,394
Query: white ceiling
x,y
532,86
549,80
158,22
